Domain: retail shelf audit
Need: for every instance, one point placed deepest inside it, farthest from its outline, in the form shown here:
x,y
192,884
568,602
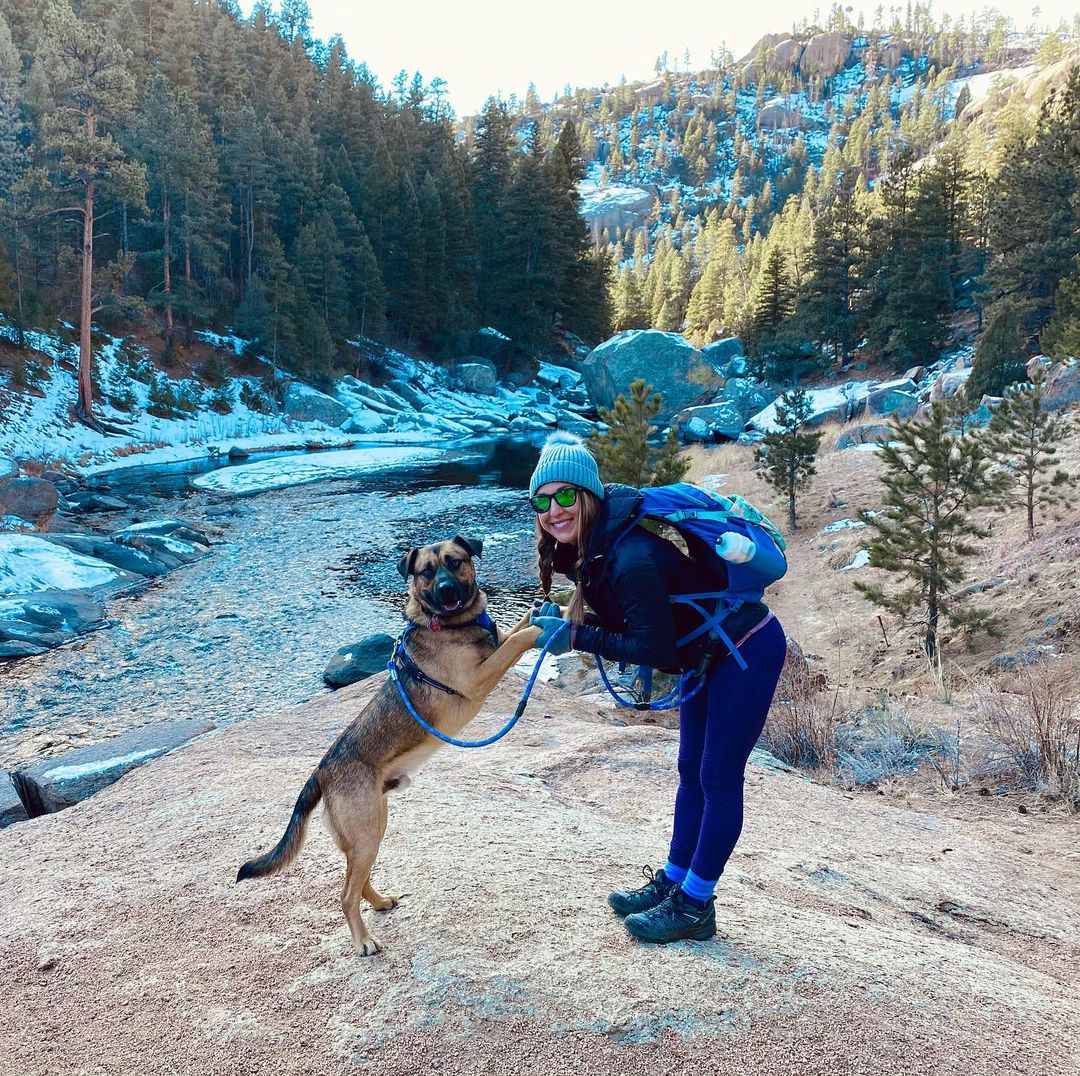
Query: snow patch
x,y
299,470
860,560
29,564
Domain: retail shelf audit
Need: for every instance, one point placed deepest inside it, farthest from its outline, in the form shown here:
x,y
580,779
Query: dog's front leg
x,y
523,623
494,668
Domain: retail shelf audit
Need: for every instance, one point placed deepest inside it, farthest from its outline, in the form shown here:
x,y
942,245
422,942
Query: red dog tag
x,y
435,624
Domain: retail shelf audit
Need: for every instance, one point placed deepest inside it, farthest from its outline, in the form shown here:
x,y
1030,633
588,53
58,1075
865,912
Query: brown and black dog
x,y
384,744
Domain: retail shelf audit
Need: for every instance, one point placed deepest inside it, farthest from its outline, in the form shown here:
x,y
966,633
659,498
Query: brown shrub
x,y
1035,723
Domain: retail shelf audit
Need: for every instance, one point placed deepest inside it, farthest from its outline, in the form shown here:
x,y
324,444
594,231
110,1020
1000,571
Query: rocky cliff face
x,y
855,935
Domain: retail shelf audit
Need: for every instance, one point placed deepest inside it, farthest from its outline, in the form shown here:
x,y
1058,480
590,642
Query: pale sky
x,y
482,47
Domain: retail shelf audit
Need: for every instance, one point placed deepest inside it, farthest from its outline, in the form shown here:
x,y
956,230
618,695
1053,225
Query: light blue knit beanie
x,y
564,458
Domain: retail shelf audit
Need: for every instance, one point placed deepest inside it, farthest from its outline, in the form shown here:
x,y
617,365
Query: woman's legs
x,y
717,731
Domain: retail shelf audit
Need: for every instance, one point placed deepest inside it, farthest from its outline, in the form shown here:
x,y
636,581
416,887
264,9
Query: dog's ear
x,y
405,565
474,545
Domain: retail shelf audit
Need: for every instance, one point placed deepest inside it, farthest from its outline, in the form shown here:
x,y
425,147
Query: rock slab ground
x,y
855,936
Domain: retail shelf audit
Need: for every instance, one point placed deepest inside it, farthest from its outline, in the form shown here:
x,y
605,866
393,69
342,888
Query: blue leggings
x,y
718,728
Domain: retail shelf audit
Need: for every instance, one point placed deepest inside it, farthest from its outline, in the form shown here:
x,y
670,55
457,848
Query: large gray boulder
x,y
119,554
76,775
414,396
727,356
11,807
476,377
722,421
359,660
614,208
667,361
364,421
781,115
894,53
876,433
305,404
948,385
32,499
784,56
898,398
825,55
747,394
1062,383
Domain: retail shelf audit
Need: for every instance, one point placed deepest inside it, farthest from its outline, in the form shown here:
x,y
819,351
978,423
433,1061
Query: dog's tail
x,y
288,848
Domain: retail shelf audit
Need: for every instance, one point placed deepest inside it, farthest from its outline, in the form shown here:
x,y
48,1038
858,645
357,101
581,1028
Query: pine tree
x,y
912,286
1062,336
628,303
489,185
1025,436
92,89
171,139
998,355
789,453
831,301
772,300
1035,220
933,479
624,453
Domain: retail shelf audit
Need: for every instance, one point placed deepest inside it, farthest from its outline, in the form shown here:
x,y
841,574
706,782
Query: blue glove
x,y
548,609
551,625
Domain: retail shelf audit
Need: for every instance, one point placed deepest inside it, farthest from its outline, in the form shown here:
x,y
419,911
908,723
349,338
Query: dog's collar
x,y
483,621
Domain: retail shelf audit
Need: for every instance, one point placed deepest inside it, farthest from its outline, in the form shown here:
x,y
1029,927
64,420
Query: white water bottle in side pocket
x,y
735,547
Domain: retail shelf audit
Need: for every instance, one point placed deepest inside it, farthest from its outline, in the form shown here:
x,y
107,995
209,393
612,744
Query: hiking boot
x,y
674,919
648,896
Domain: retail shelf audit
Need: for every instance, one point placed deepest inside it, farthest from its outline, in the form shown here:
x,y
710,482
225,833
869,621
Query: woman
x,y
628,585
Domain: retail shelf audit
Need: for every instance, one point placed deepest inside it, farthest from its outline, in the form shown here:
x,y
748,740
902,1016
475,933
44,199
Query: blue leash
x,y
504,730
673,698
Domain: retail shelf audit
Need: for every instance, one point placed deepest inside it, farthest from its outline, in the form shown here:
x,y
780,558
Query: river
x,y
297,573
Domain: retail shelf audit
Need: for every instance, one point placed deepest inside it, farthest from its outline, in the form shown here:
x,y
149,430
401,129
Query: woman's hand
x,y
554,630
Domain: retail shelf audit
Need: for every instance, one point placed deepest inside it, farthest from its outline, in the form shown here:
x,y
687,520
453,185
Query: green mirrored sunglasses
x,y
564,498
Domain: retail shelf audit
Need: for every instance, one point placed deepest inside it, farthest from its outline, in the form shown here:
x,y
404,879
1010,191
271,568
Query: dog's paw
x,y
383,902
368,946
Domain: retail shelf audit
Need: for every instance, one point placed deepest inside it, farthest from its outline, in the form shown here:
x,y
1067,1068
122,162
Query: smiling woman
x,y
631,580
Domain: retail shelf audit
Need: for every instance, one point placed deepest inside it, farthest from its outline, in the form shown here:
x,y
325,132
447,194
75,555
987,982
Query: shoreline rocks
x,y
76,775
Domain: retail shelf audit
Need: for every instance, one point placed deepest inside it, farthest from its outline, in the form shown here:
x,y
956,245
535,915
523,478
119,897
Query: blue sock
x,y
674,874
697,889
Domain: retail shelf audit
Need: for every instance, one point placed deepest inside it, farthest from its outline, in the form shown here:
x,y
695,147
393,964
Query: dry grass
x,y
801,726
137,449
1035,722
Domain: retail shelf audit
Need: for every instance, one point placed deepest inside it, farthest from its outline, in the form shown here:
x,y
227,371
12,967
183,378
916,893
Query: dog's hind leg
x,y
356,875
357,818
379,901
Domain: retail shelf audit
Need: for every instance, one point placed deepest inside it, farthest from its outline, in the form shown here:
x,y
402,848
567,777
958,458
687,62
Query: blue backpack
x,y
702,518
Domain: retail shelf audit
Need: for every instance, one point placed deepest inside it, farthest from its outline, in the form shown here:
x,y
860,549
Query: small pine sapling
x,y
1024,435
788,455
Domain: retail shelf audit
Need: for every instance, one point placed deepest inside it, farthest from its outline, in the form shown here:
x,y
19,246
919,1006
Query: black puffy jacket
x,y
628,584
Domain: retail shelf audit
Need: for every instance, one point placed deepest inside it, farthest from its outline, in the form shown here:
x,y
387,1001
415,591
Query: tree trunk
x,y
166,215
1031,508
85,407
932,613
791,498
18,283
